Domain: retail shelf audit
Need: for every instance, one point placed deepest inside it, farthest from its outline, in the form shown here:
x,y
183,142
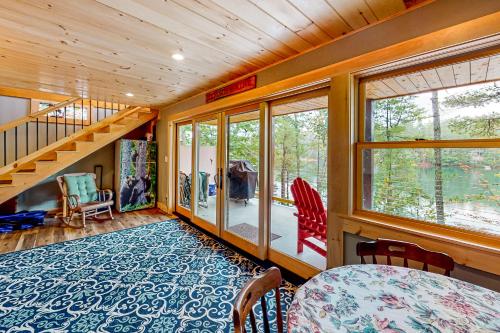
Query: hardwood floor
x,y
54,231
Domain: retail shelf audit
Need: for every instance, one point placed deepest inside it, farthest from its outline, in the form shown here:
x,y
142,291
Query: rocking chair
x,y
82,196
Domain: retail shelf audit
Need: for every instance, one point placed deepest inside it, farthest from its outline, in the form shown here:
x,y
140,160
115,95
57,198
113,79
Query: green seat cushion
x,y
83,186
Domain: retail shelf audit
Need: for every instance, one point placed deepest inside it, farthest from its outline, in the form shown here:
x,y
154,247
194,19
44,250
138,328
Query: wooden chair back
x,y
408,251
308,202
311,215
62,184
254,290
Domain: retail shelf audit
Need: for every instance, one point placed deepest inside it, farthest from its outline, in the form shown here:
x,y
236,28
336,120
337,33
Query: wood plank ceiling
x,y
105,48
484,69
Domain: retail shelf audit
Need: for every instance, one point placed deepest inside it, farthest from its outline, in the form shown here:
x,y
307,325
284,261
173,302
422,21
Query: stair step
x,y
5,178
86,138
22,178
83,144
103,130
40,165
124,121
26,166
43,162
52,156
100,136
59,152
23,172
28,174
62,154
133,116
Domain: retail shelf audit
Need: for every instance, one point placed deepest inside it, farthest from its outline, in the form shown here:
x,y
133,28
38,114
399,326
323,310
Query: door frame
x,y
178,208
263,249
206,225
282,259
258,250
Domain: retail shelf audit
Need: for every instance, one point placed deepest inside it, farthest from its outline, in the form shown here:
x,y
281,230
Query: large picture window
x,y
429,146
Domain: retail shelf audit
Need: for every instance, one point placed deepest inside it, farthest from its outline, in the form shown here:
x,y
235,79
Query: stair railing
x,y
37,130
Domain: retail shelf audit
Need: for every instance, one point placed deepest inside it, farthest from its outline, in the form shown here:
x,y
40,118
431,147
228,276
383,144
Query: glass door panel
x,y
184,165
241,204
206,165
299,152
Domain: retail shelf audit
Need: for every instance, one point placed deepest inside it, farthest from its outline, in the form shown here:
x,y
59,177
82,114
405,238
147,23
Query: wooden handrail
x,y
278,199
54,107
283,200
35,115
82,133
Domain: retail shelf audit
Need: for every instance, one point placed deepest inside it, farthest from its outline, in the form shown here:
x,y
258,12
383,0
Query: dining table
x,y
391,299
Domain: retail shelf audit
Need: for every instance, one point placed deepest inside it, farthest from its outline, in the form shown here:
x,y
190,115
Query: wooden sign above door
x,y
232,89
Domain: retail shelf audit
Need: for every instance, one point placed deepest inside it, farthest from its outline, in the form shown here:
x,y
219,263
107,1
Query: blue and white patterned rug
x,y
162,277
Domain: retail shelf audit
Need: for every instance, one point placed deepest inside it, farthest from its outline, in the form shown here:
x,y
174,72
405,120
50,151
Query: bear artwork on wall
x,y
136,178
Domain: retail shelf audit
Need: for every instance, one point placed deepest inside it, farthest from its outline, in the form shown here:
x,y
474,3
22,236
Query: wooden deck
x,y
283,225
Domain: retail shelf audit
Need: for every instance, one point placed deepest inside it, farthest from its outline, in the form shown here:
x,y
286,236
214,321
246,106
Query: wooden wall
x,y
385,42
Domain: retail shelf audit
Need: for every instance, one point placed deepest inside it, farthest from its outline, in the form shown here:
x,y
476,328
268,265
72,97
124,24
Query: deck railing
x,y
37,130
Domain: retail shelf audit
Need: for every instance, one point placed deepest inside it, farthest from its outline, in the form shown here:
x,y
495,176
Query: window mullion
x,y
478,143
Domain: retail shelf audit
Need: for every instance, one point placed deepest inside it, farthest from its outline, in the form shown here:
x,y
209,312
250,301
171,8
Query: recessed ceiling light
x,y
129,94
177,56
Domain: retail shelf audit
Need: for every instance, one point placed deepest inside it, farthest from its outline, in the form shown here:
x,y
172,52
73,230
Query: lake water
x,y
470,196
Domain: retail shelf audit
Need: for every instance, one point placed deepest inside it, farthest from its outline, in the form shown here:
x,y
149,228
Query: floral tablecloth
x,y
379,298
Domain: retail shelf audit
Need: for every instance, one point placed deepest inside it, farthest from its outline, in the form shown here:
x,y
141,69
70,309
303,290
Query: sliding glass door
x,y
184,148
298,181
242,222
258,178
206,182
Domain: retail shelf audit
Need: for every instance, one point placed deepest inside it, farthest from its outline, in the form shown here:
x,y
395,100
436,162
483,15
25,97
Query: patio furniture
x,y
408,251
82,196
203,188
379,298
242,180
311,216
184,190
255,289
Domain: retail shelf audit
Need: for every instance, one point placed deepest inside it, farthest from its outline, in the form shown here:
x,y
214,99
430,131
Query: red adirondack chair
x,y
311,216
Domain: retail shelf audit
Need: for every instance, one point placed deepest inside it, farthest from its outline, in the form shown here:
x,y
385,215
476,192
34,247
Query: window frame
x,y
469,236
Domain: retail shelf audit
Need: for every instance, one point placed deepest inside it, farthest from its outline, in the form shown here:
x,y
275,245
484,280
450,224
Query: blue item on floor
x,y
211,190
22,220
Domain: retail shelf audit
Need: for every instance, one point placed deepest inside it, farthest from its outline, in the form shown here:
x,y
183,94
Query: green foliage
x,y
186,135
396,168
300,149
393,116
474,97
244,141
486,126
207,135
403,180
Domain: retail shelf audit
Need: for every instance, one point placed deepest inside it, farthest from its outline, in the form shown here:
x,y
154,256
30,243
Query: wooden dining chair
x,y
408,251
254,290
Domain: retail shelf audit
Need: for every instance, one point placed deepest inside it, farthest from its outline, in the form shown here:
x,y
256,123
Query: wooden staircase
x,y
29,170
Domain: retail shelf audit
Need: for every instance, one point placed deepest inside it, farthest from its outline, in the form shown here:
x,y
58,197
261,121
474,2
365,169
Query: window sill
x,y
471,249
